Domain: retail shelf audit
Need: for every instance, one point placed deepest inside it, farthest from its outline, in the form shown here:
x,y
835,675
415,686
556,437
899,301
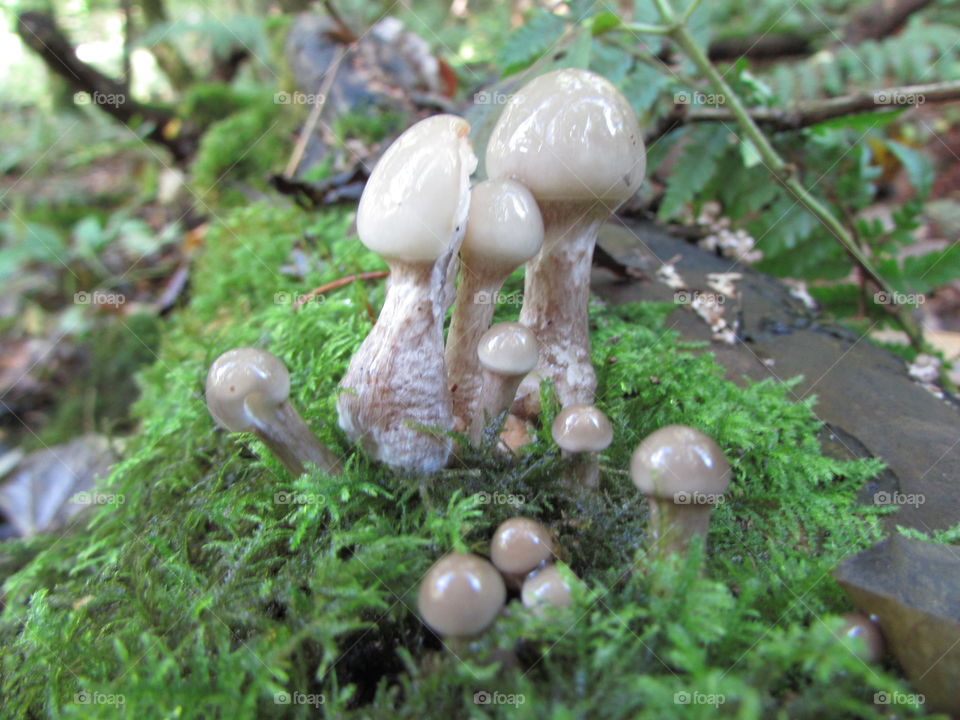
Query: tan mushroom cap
x,y
520,545
416,201
243,382
461,595
504,228
582,428
569,135
545,587
508,348
872,645
679,459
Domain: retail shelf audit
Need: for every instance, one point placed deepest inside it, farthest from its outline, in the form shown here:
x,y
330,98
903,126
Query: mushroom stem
x,y
292,442
583,469
555,303
472,315
673,526
397,376
496,398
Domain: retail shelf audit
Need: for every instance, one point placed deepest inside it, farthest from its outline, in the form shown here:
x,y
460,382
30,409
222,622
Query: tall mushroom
x,y
247,391
504,230
413,211
683,473
506,353
574,141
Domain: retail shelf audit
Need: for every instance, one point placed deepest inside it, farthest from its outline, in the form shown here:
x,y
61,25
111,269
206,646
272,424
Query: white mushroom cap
x,y
545,587
569,135
582,428
416,200
504,228
461,595
508,349
679,459
240,382
520,544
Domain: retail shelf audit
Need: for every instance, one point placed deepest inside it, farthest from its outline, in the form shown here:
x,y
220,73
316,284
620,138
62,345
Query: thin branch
x,y
339,283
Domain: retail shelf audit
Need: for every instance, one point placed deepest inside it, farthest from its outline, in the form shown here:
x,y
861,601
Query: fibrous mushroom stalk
x,y
672,526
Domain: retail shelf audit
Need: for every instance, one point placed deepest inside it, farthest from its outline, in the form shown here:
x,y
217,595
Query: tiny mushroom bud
x,y
413,212
869,643
519,546
683,474
247,391
460,596
506,353
574,141
545,587
581,431
504,230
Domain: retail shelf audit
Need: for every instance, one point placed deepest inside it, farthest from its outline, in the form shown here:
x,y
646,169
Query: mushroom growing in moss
x,y
504,230
581,431
545,587
413,211
460,597
248,390
574,141
519,546
683,474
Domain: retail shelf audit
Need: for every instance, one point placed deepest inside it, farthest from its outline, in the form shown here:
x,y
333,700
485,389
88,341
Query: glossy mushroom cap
x,y
508,349
520,545
243,381
569,135
582,428
417,197
545,587
679,459
461,595
872,645
504,229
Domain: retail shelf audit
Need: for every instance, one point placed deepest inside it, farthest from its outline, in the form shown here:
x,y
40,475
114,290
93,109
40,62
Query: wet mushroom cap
x,y
569,135
858,625
545,587
582,428
679,458
520,545
508,349
504,229
461,595
417,197
241,378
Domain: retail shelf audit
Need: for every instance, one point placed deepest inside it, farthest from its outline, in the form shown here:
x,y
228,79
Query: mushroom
x,y
545,587
413,211
519,546
574,141
506,353
504,230
683,473
247,391
581,431
460,596
868,642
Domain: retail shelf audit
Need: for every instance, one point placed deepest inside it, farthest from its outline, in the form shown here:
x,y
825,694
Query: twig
x,y
339,283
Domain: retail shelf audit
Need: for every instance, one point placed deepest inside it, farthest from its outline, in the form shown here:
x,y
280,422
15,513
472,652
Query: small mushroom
x,y
581,431
544,587
571,138
413,211
519,546
460,597
869,644
683,474
506,353
247,391
504,230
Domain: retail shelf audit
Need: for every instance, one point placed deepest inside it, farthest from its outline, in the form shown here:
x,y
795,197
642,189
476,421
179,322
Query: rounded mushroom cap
x,y
582,428
504,227
569,135
678,459
416,200
461,595
508,349
545,587
858,625
520,545
239,381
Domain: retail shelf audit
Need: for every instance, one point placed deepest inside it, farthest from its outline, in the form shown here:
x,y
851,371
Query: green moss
x,y
206,592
